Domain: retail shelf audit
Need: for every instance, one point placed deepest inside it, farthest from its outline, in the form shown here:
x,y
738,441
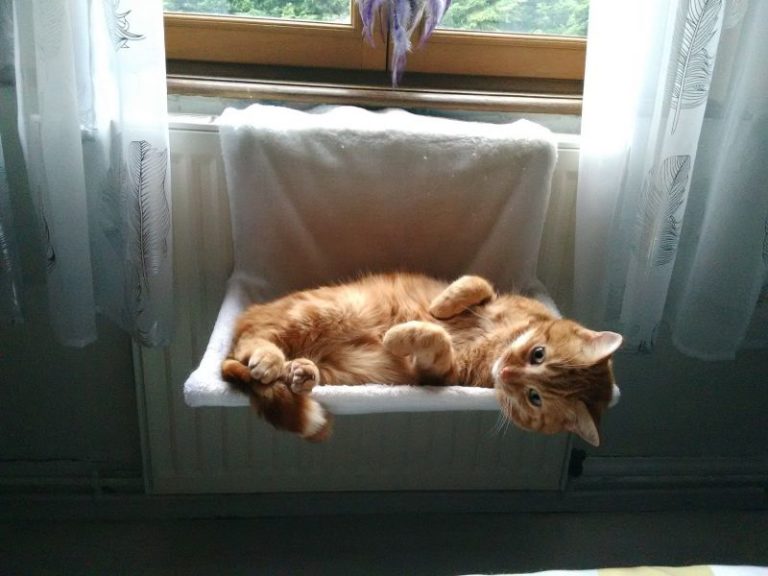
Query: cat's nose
x,y
509,374
615,395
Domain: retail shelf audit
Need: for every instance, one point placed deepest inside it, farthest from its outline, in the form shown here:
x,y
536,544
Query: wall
x,y
67,412
674,405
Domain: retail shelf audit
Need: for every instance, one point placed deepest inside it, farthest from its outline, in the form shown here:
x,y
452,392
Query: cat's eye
x,y
534,398
537,355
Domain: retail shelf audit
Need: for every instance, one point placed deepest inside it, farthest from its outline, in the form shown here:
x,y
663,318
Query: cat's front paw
x,y
303,375
266,365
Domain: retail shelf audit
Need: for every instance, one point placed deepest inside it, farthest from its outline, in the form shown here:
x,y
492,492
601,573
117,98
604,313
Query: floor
x,y
370,545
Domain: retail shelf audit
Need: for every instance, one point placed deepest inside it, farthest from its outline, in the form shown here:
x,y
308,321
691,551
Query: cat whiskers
x,y
501,426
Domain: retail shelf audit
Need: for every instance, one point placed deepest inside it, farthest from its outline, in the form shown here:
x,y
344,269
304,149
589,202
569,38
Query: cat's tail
x,y
280,406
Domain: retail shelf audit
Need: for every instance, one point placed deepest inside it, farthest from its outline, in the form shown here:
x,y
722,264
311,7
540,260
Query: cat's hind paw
x,y
266,365
303,375
461,295
428,344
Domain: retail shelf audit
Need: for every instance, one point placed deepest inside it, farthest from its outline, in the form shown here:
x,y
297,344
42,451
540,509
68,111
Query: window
x,y
514,38
311,33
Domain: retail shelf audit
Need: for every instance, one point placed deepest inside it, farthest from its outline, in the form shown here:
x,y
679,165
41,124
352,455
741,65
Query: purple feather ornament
x,y
404,17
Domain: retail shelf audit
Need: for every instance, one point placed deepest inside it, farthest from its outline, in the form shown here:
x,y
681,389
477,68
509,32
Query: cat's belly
x,y
363,364
346,345
341,330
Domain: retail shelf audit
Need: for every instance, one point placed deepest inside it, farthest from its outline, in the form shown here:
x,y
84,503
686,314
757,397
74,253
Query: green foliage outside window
x,y
323,10
558,17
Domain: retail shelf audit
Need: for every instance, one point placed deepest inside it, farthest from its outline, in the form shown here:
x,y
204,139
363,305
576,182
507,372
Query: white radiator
x,y
231,450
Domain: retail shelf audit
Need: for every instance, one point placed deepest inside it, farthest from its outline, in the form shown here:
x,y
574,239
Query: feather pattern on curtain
x,y
120,25
694,63
151,220
662,197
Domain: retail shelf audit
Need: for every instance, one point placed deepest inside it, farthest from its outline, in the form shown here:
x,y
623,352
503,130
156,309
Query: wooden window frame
x,y
284,43
271,42
507,55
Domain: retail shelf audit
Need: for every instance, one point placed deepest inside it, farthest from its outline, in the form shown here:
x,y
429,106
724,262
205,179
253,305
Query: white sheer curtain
x,y
90,118
672,207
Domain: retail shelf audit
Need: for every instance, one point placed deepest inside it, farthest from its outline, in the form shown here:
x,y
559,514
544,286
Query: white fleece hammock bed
x,y
317,197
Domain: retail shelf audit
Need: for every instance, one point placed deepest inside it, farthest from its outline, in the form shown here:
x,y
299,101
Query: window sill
x,y
372,89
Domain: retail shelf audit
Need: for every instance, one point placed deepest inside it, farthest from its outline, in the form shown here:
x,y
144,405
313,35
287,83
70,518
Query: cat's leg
x,y
297,413
428,344
303,375
278,390
461,294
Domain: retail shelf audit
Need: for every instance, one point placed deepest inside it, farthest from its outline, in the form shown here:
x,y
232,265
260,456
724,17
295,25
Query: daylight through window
x,y
517,38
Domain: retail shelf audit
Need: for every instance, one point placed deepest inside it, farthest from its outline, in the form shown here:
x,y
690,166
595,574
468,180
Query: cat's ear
x,y
600,345
584,425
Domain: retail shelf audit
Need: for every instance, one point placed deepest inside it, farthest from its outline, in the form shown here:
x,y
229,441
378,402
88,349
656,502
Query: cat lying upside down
x,y
550,374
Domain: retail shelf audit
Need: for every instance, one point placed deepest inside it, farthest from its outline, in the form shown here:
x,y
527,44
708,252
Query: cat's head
x,y
556,376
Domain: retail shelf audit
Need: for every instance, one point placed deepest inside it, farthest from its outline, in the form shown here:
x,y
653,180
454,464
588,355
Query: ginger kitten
x,y
550,374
